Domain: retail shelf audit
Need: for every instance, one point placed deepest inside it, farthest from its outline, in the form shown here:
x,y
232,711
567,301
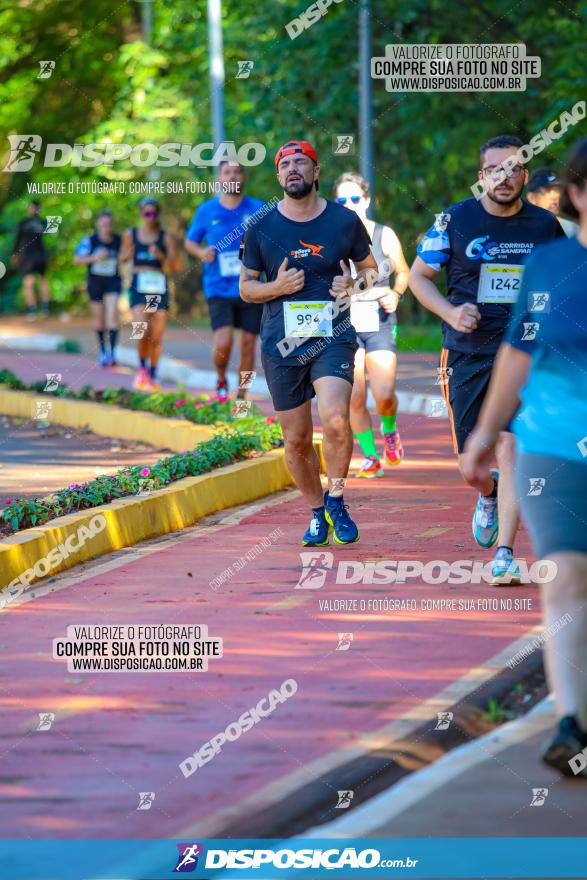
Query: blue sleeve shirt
x,y
549,323
222,228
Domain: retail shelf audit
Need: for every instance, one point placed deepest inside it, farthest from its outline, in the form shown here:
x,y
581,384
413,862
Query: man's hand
x,y
289,280
477,458
15,261
100,255
209,254
389,302
342,284
464,318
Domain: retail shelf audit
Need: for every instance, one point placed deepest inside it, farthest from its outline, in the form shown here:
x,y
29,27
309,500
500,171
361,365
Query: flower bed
x,y
237,439
227,447
202,409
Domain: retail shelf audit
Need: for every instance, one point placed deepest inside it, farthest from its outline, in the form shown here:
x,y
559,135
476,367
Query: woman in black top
x,y
100,252
154,255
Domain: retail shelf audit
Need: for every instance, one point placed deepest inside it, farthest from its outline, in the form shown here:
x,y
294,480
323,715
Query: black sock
x,y
143,363
113,335
101,340
152,370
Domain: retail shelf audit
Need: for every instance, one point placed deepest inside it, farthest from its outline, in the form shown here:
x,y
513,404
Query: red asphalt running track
x,y
118,734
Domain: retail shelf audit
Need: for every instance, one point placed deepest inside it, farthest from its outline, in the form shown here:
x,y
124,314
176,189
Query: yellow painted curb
x,y
134,519
106,420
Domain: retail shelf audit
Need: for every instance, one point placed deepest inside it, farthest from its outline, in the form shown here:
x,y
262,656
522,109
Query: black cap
x,y
542,178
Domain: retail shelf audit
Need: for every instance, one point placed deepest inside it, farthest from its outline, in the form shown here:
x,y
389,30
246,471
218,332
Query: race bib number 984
x,y
306,319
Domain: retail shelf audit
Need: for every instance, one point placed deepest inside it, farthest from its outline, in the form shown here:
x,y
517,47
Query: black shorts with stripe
x,y
464,379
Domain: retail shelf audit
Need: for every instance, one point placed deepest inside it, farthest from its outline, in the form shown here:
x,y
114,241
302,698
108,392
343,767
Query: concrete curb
x,y
371,816
175,371
105,420
134,519
283,807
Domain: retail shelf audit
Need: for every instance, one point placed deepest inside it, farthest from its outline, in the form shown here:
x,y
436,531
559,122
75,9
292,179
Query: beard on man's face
x,y
506,193
298,188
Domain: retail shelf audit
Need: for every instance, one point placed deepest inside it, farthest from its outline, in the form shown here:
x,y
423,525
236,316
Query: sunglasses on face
x,y
150,214
342,200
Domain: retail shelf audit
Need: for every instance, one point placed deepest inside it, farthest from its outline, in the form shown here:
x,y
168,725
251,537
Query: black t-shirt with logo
x,y
474,246
316,246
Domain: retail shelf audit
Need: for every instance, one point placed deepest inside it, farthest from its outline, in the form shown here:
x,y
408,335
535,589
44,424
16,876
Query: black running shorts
x,y
292,384
235,312
464,379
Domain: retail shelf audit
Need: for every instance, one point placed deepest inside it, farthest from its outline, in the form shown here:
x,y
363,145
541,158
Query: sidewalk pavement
x,y
119,734
187,360
495,786
37,458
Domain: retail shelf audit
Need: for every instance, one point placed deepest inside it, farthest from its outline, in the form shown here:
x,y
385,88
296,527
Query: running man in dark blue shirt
x,y
214,237
482,244
308,342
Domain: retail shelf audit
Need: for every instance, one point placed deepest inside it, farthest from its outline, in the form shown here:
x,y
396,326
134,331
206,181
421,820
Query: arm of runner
x,y
392,249
463,318
252,290
84,257
196,234
509,375
171,260
127,248
205,253
15,258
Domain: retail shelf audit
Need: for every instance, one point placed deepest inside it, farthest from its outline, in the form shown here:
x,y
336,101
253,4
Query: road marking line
x,y
434,532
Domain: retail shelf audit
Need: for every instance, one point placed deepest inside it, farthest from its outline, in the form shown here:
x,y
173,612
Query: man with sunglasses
x,y
308,342
482,243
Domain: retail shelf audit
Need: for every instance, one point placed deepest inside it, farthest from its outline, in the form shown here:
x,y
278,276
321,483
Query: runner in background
x,y
547,369
544,190
154,255
30,258
100,252
482,244
214,238
374,317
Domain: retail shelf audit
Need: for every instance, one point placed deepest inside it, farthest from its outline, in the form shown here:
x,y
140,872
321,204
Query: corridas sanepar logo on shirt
x,y
484,249
307,250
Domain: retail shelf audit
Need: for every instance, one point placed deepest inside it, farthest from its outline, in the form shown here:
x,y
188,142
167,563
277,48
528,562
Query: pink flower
x,y
184,452
198,405
145,472
73,486
179,403
127,473
270,420
10,500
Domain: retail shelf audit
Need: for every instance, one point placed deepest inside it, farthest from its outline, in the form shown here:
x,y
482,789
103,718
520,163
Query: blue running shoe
x,y
339,520
485,523
505,571
103,359
317,533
